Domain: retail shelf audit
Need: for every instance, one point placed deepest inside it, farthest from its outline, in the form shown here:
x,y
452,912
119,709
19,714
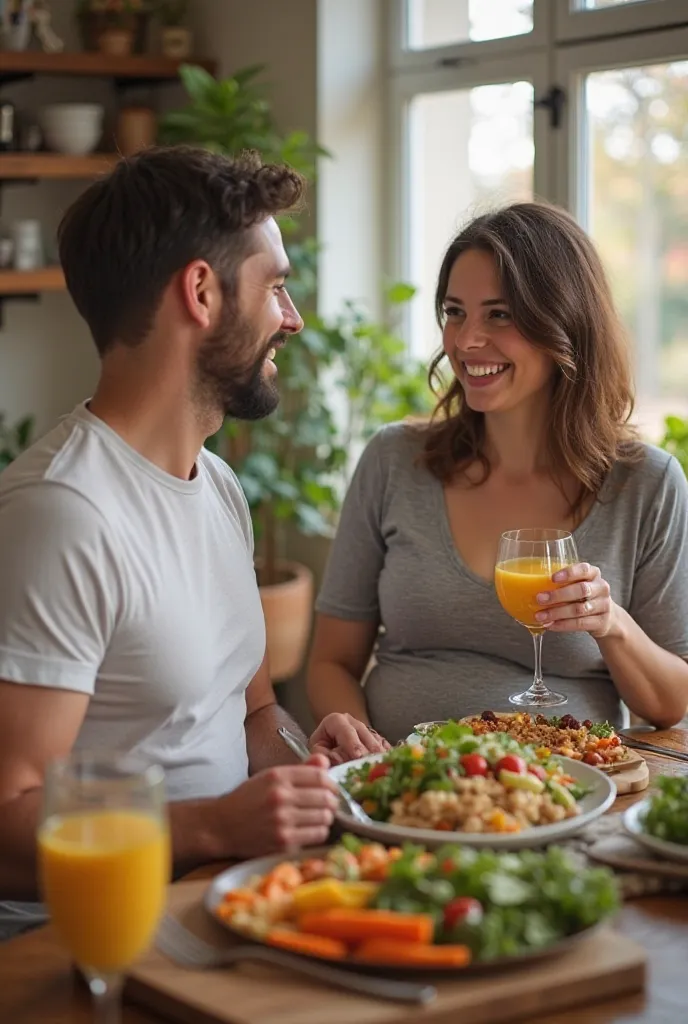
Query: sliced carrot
x,y
406,954
358,925
240,896
285,875
309,945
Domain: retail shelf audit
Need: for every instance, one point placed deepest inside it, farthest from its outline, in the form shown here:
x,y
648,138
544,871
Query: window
x,y
573,101
431,23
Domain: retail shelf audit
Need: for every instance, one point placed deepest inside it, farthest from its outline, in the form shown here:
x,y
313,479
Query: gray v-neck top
x,y
446,647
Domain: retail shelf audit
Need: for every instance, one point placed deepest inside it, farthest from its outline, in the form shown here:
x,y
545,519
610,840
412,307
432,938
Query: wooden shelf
x,y
31,282
30,166
136,68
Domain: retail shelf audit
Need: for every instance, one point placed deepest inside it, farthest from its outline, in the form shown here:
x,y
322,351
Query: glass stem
x,y
538,689
106,990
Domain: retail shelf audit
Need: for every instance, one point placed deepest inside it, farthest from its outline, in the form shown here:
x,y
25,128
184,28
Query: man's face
x,y
235,363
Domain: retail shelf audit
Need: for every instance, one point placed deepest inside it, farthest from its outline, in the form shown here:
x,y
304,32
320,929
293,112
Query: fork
x,y
302,751
187,950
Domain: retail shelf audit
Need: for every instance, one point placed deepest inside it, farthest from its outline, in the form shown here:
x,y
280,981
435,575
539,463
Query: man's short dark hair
x,y
125,237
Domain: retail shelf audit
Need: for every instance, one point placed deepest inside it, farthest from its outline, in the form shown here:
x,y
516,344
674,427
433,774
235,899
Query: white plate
x,y
633,824
238,876
592,806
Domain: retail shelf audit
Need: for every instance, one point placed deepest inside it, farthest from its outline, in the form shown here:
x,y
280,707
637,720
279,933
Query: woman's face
x,y
496,366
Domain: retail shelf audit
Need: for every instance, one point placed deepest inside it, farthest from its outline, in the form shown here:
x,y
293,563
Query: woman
x,y
532,431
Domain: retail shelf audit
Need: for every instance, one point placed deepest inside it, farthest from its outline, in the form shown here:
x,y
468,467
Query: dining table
x,y
39,986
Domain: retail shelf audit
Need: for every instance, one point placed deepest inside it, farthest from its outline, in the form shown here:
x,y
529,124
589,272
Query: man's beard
x,y
229,378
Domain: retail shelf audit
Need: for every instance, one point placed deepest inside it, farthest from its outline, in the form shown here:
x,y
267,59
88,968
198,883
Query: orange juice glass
x,y
104,864
526,562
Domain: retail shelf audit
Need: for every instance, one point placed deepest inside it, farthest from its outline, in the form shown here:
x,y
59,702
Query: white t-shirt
x,y
128,584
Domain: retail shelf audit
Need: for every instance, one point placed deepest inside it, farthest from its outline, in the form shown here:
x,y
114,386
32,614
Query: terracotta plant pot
x,y
117,42
92,24
288,610
136,129
176,42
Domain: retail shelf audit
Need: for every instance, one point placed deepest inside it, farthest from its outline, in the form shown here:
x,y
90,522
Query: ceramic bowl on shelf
x,y
73,128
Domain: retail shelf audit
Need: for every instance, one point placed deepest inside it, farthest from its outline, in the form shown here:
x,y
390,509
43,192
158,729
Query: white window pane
x,y
443,22
591,5
471,150
637,213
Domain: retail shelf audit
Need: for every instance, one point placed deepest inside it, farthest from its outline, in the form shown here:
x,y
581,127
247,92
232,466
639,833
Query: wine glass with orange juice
x,y
526,562
104,864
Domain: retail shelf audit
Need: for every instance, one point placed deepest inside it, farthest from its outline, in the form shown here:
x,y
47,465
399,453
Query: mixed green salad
x,y
454,752
497,904
667,814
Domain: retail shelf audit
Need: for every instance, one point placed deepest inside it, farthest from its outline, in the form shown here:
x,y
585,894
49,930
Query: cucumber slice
x,y
514,780
561,795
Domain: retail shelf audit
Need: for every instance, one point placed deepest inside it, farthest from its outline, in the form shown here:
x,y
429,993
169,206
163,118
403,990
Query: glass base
x,y
531,699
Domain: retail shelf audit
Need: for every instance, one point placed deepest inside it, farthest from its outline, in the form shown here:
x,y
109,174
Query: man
x,y
130,617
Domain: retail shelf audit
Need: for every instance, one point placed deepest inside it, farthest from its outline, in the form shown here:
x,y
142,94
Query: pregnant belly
x,y
403,690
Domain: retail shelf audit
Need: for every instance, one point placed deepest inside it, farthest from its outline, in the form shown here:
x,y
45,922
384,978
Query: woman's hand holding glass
x,y
583,603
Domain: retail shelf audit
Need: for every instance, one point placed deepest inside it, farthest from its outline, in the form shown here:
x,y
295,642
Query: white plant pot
x,y
73,128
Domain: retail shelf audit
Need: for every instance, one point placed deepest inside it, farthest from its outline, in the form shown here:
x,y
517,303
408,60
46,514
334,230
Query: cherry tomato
x,y
463,908
511,763
378,771
538,771
592,758
474,764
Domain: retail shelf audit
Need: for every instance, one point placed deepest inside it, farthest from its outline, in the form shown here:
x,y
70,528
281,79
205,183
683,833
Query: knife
x,y
652,748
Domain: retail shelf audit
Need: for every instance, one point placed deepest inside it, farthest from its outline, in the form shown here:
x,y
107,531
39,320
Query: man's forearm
x,y
191,827
264,745
19,820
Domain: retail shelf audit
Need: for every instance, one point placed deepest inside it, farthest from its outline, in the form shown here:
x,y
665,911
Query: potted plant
x,y
294,464
175,36
340,381
229,116
14,439
117,27
675,439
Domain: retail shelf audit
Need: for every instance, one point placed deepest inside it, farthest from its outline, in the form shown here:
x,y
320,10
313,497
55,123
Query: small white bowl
x,y
633,820
73,128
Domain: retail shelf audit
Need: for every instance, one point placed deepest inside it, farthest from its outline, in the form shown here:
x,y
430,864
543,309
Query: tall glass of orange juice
x,y
104,863
526,562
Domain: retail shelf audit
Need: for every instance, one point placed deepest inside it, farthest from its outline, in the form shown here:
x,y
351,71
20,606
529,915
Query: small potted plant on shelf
x,y
116,27
176,38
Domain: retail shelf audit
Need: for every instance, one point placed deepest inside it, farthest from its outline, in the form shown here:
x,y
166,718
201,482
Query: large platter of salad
x,y
596,743
480,790
363,905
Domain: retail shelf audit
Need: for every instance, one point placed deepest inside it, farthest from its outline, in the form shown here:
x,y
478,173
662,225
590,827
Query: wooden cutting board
x,y
633,778
606,965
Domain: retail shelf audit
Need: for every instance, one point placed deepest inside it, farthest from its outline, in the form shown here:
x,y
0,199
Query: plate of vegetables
x,y
596,743
406,908
660,822
487,790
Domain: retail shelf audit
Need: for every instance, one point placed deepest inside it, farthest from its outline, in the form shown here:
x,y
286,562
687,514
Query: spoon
x,y
299,748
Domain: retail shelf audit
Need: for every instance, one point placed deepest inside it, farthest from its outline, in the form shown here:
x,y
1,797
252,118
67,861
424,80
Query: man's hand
x,y
342,738
277,809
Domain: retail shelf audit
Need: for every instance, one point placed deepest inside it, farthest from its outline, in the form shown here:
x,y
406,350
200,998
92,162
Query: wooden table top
x,y
37,985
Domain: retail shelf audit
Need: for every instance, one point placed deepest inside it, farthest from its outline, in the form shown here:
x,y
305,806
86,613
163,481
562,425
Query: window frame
x,y
572,64
577,25
532,67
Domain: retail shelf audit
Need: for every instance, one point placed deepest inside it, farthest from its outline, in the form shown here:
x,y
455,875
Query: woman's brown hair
x,y
559,299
